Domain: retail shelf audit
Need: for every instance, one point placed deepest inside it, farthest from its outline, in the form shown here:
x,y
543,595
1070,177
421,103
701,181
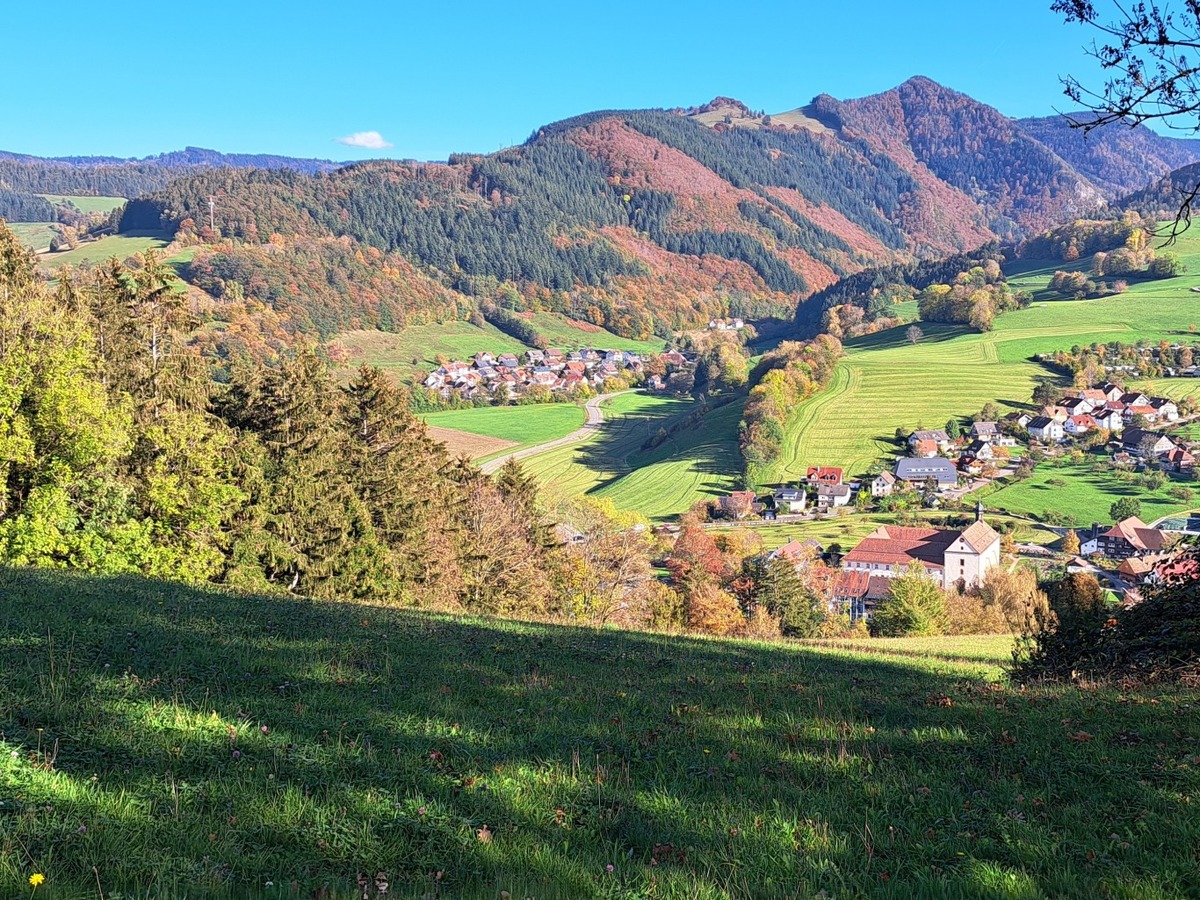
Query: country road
x,y
595,418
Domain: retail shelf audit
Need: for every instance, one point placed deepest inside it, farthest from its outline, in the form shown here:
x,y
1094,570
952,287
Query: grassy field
x,y
518,426
87,204
887,383
122,246
166,742
693,464
567,334
1083,494
34,235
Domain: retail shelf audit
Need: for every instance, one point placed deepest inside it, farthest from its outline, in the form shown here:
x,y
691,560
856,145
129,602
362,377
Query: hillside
x,y
161,742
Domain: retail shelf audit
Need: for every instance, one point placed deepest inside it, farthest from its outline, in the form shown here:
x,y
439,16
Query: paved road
x,y
595,418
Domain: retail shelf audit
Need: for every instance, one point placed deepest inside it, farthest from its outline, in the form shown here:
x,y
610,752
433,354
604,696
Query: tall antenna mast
x,y
212,205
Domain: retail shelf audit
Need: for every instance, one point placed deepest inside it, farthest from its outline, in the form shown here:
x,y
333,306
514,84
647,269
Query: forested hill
x,y
642,220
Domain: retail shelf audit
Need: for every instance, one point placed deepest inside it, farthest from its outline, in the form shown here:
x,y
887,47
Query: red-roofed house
x,y
1131,537
949,556
824,475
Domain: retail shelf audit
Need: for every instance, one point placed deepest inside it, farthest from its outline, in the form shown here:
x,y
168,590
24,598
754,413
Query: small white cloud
x,y
367,140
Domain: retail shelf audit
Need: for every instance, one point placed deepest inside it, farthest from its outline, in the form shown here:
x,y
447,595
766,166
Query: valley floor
x,y
160,741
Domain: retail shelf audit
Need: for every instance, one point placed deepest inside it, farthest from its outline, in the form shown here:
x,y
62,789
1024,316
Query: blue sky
x,y
433,78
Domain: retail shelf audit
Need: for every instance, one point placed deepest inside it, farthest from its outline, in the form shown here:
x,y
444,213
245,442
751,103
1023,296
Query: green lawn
x,y
122,246
526,425
1084,495
87,204
162,742
887,383
693,464
34,235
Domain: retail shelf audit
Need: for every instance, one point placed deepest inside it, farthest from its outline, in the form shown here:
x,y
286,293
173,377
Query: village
x,y
941,466
539,374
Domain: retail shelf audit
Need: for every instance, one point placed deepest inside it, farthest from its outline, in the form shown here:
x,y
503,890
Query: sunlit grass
x,y
162,742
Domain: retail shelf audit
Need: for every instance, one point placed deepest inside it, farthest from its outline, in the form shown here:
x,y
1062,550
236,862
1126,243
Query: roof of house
x,y
930,435
1178,455
1041,422
825,472
897,545
1131,399
979,536
1137,533
1093,394
1160,402
1084,421
942,469
797,549
833,490
850,584
886,477
789,495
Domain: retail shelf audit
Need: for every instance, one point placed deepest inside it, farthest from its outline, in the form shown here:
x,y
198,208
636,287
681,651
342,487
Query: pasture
x,y
516,426
34,235
886,382
160,741
122,246
570,334
87,204
695,463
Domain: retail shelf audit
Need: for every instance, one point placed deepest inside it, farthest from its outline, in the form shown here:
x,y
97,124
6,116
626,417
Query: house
x,y
1019,419
919,471
830,496
1131,537
1078,425
985,431
1166,409
508,360
1096,395
824,475
1057,413
857,594
654,383
1146,569
969,465
1177,460
1077,406
1144,443
736,505
1111,391
883,484
789,501
1146,411
980,450
1123,460
938,437
1134,399
1046,429
949,556
1109,418
799,552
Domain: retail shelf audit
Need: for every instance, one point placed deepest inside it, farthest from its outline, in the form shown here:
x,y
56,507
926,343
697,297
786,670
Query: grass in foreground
x,y
185,742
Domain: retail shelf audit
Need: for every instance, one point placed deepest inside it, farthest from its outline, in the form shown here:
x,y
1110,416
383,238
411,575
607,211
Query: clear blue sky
x,y
136,78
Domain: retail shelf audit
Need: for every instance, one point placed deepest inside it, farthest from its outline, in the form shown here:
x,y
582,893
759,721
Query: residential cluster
x,y
507,376
1108,407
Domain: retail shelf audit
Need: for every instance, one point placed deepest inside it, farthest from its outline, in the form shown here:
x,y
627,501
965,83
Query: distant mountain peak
x,y
722,103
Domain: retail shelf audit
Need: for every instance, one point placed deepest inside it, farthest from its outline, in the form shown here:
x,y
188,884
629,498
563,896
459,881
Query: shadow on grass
x,y
206,741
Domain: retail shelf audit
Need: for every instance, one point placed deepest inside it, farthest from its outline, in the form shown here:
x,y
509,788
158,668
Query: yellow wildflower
x,y
36,878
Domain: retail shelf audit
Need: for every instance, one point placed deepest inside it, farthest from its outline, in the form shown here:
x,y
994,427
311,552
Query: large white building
x,y
950,556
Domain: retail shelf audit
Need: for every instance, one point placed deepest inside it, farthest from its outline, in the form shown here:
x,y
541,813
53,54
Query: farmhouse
x,y
938,437
949,556
1144,443
985,431
1130,537
918,471
1178,460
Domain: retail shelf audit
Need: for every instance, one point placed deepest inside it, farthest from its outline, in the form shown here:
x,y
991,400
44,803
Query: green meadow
x,y
87,204
34,235
567,334
524,425
122,246
695,463
160,741
886,382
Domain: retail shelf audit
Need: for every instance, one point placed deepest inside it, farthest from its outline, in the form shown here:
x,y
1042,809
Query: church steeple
x,y
978,510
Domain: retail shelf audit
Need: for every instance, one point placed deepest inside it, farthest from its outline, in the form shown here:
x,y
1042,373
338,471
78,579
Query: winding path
x,y
595,418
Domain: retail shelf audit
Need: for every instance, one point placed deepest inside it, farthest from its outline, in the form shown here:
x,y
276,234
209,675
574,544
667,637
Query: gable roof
x,y
825,473
1137,533
985,428
897,545
979,536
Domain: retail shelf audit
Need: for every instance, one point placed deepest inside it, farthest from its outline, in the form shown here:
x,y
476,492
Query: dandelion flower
x,y
36,878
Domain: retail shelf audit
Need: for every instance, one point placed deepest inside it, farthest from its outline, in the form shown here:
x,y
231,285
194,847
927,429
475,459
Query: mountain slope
x,y
1104,155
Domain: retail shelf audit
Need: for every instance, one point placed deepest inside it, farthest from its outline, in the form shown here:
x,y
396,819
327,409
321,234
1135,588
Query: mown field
x,y
122,246
887,383
692,464
159,741
568,334
517,426
87,204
